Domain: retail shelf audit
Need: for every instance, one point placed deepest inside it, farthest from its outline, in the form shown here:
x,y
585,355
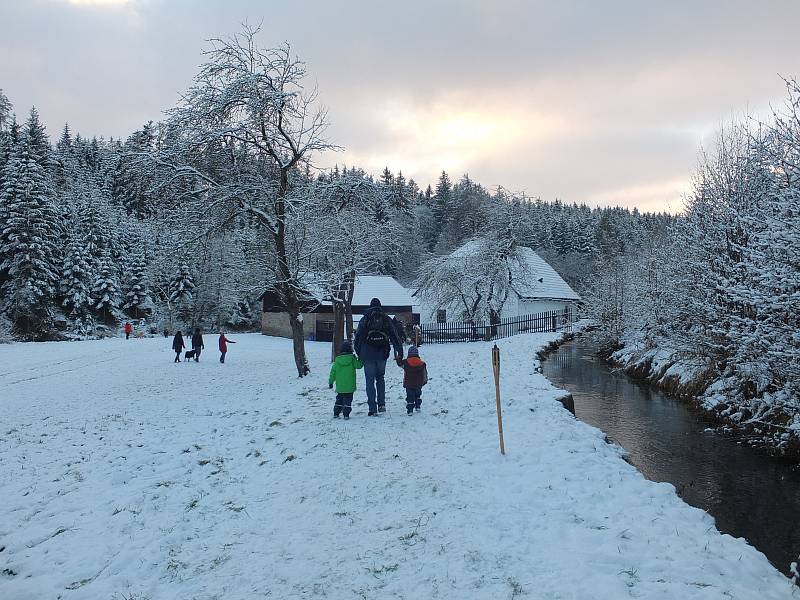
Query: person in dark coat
x,y
400,328
375,336
178,345
415,376
197,344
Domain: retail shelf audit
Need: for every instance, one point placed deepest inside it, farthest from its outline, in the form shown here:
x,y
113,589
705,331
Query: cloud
x,y
581,100
96,2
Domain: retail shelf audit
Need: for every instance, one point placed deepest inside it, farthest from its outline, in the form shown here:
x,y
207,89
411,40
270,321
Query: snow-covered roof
x,y
539,281
544,282
383,287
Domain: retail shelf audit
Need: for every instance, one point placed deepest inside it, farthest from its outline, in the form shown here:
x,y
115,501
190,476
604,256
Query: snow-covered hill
x,y
123,475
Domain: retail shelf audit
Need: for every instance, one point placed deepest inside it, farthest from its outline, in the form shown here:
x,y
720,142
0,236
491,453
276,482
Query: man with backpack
x,y
374,337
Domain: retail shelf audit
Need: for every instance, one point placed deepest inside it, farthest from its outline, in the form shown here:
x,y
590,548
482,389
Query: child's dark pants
x,y
413,398
344,404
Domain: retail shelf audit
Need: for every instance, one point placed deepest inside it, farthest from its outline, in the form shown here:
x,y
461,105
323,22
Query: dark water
x,y
750,495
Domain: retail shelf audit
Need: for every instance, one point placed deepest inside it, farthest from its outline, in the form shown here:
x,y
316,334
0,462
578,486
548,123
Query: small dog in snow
x,y
189,355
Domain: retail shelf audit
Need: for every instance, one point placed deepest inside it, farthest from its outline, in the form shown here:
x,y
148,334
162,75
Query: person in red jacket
x,y
414,379
223,346
128,330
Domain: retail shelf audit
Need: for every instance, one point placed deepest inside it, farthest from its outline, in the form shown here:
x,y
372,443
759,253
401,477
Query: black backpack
x,y
376,327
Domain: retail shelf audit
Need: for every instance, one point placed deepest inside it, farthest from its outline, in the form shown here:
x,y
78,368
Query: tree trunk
x,y
287,285
343,313
348,321
298,339
338,327
348,304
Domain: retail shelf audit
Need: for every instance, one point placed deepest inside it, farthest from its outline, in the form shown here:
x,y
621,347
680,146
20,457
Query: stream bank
x,y
750,494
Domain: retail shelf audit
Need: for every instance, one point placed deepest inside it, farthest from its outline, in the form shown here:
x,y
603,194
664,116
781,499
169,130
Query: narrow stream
x,y
750,495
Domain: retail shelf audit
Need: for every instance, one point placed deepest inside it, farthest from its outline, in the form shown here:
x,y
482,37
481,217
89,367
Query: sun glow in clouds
x,y
426,138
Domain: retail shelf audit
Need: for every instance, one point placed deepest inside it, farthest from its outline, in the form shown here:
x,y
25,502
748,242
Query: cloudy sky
x,y
605,102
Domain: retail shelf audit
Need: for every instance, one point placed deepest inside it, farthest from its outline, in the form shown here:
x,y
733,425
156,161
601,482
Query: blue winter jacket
x,y
367,351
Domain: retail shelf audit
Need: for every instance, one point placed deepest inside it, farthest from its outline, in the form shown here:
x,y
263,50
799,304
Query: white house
x,y
318,310
543,291
535,288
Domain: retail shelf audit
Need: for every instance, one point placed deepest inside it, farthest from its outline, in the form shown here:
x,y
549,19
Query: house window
x,y
441,316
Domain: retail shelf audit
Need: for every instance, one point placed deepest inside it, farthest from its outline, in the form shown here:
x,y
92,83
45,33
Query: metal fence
x,y
437,333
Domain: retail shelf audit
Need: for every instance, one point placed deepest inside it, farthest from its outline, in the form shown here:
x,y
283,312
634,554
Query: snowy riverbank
x,y
126,476
770,421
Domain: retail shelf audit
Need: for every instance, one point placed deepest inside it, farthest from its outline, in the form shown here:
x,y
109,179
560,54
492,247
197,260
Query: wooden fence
x,y
437,333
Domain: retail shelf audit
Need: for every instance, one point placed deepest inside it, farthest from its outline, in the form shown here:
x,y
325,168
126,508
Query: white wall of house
x,y
518,307
526,306
514,307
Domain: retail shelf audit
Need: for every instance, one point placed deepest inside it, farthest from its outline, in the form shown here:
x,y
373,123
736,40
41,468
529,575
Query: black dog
x,y
189,355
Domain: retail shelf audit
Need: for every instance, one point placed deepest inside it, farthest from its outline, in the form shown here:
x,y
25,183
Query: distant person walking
x,y
414,379
197,344
400,328
128,330
343,374
417,331
223,346
178,345
375,335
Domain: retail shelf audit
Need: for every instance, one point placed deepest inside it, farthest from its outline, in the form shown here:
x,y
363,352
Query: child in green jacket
x,y
343,373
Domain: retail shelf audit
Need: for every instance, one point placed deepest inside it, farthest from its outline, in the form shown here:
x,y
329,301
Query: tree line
x,y
190,219
717,293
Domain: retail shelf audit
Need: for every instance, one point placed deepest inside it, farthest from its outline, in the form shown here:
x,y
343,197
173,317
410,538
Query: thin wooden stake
x,y
496,368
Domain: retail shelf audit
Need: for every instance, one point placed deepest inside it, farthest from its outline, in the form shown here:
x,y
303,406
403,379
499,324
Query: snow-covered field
x,y
123,475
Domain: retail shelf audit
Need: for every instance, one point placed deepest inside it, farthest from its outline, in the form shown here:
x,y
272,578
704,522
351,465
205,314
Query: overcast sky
x,y
604,102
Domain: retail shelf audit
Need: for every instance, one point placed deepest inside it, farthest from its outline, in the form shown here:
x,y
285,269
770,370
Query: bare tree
x,y
248,110
350,241
476,279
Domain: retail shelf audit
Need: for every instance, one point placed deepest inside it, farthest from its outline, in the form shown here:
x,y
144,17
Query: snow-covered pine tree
x,y
6,111
37,139
28,256
442,201
137,297
130,183
105,291
77,278
182,289
6,141
401,201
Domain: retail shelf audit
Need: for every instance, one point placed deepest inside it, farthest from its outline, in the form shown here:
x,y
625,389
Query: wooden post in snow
x,y
496,368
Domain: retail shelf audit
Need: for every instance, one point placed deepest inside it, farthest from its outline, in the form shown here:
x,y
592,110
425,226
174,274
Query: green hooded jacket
x,y
343,373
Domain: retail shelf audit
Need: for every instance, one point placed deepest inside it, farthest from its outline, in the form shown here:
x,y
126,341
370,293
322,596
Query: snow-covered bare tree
x,y
476,279
251,106
348,241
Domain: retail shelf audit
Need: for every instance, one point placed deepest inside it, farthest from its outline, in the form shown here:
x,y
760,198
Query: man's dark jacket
x,y
366,351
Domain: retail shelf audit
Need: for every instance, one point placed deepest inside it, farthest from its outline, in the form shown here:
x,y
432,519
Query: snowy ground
x,y
123,475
